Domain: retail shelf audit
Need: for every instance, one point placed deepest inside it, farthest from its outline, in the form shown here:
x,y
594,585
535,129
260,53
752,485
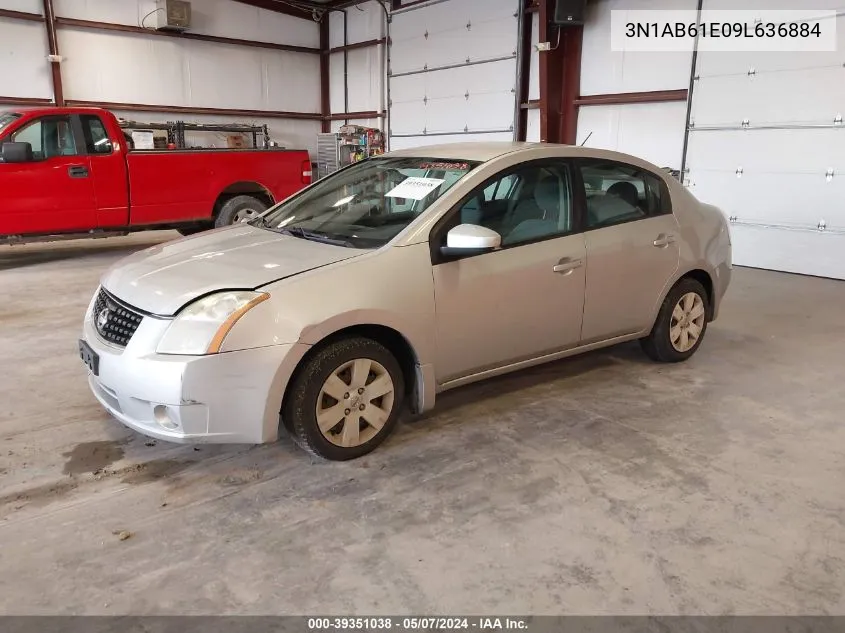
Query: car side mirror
x,y
470,239
103,146
17,153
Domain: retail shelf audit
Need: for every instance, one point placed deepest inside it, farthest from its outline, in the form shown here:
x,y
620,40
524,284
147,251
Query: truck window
x,y
49,137
6,118
96,138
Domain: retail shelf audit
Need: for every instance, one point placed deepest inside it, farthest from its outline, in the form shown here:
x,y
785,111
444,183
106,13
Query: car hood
x,y
165,277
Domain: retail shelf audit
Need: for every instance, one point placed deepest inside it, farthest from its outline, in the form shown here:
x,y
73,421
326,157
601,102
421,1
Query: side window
x,y
618,193
96,138
49,137
501,189
525,205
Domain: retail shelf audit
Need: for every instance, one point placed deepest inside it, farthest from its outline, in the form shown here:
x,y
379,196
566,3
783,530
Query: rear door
x,y
52,193
108,173
632,249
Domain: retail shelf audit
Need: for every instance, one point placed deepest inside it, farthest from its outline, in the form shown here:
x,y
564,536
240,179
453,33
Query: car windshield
x,y
6,118
368,204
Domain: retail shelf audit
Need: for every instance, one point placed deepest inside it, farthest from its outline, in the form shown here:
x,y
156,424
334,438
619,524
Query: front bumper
x,y
231,397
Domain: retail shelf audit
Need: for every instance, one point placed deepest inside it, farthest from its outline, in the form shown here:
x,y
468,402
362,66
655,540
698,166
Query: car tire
x,y
681,323
344,381
239,209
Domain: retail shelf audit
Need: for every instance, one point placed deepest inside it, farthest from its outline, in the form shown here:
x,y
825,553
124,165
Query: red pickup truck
x,y
69,172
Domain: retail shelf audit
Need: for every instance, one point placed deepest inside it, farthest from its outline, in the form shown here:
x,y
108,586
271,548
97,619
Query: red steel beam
x,y
571,42
21,15
627,98
146,107
524,44
342,116
53,45
325,84
551,75
25,101
128,28
356,45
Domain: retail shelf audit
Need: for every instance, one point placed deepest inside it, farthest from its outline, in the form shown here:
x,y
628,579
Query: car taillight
x,y
306,172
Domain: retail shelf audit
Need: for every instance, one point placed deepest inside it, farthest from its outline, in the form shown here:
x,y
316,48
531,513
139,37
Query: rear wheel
x,y
346,399
681,323
239,209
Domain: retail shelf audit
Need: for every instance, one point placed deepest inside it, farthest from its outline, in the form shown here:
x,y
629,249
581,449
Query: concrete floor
x,y
603,484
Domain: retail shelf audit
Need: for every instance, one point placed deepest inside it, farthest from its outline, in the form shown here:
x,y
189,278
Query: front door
x,y
524,300
632,248
52,193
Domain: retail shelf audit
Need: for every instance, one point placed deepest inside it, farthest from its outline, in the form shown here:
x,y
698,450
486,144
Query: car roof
x,y
486,151
478,151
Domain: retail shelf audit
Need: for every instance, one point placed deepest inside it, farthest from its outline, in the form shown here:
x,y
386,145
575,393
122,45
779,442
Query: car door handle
x,y
567,265
77,171
663,240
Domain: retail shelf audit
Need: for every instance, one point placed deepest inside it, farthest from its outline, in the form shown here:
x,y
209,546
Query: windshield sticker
x,y
459,166
414,188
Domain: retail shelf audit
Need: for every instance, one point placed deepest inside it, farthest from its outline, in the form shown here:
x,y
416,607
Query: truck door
x,y
108,172
52,193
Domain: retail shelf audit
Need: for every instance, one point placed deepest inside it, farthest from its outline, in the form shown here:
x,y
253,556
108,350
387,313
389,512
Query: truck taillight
x,y
306,172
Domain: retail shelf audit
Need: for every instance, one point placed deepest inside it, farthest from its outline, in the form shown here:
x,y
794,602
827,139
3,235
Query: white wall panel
x,y
453,70
652,131
774,182
761,100
211,17
365,67
605,71
452,33
364,22
288,133
107,66
24,68
468,97
532,131
365,82
534,71
27,6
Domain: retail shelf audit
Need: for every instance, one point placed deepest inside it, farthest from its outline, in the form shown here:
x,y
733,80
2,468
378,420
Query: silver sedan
x,y
398,278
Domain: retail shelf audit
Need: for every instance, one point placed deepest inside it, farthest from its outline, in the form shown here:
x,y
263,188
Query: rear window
x,y
6,118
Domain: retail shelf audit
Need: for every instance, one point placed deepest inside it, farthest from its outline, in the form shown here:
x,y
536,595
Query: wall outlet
x,y
543,46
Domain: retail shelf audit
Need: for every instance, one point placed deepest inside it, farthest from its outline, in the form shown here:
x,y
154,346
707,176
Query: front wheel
x,y
239,209
346,399
681,323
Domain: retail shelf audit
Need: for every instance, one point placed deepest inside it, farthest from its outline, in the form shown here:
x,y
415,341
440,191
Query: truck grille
x,y
115,322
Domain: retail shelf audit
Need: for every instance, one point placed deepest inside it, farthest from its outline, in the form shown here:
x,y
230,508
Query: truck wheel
x,y
239,209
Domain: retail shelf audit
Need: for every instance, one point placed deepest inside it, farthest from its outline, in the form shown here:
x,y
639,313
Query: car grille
x,y
114,321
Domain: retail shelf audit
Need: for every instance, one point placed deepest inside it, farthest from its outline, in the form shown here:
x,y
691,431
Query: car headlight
x,y
201,327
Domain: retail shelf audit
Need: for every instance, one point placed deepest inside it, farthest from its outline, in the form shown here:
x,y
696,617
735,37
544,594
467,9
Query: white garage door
x,y
767,145
452,72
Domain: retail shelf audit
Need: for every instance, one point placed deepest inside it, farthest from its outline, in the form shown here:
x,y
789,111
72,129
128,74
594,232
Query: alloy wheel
x,y
687,322
355,402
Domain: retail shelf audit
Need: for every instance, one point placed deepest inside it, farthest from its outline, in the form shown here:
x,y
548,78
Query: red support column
x,y
325,86
53,44
560,78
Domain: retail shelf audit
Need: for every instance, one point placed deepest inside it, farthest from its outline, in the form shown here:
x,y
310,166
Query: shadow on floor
x,y
527,378
24,255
